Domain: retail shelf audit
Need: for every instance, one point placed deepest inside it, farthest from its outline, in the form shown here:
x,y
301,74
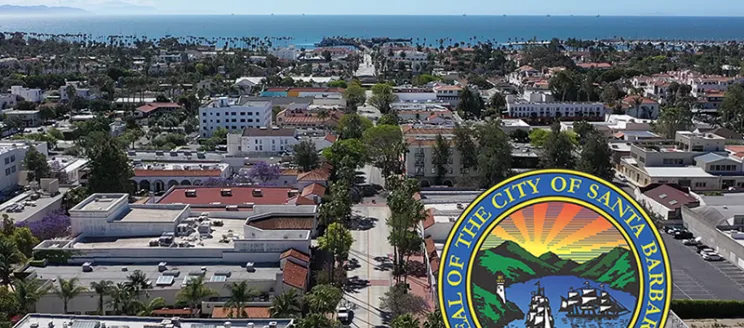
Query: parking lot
x,y
695,278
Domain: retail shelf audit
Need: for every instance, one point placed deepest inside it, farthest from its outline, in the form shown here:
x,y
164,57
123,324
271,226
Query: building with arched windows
x,y
159,177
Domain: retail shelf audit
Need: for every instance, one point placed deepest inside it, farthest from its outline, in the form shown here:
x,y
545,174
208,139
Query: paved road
x,y
371,252
365,67
695,278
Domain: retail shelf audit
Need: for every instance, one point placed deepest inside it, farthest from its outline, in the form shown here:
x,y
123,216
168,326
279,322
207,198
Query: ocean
x,y
307,30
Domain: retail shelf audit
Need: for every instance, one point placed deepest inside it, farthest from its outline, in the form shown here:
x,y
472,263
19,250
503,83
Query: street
x,y
370,257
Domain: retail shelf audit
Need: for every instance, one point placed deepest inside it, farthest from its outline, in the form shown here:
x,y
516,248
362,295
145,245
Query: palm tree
x,y
101,288
10,255
137,281
67,290
323,298
154,304
240,294
194,292
286,305
434,320
405,321
27,293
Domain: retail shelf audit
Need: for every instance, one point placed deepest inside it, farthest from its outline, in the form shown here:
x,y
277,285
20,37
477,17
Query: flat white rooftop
x,y
150,215
84,321
677,172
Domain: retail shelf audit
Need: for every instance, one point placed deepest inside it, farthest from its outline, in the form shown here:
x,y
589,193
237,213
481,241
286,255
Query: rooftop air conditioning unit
x,y
162,266
190,193
257,193
249,267
226,192
272,324
87,267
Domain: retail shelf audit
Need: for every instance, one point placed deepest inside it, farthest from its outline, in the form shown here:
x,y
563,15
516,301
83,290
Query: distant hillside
x,y
39,10
614,268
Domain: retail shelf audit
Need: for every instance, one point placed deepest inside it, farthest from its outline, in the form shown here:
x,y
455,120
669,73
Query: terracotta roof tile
x,y
176,173
174,312
314,189
149,107
331,138
431,249
429,221
434,265
301,200
319,174
258,312
284,223
295,275
296,254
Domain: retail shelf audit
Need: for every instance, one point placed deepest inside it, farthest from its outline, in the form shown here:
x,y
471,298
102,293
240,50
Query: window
x,y
12,169
12,158
7,160
242,120
234,113
218,121
242,113
700,184
204,121
7,171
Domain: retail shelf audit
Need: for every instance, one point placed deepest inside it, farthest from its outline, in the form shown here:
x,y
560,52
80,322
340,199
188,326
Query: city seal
x,y
552,249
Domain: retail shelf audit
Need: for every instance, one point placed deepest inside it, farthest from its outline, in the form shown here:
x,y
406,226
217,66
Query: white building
x,y
268,248
161,176
30,118
11,159
173,321
233,115
84,93
520,108
449,93
288,53
32,95
8,101
262,140
413,94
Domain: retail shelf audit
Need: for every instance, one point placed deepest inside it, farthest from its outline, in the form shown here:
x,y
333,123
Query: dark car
x,y
682,235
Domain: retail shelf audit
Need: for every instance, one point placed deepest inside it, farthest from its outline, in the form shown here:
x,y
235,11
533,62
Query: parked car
x,y
706,251
691,242
712,257
682,234
700,247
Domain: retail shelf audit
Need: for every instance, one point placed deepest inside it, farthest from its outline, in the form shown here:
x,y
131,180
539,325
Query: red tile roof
x,y
429,221
295,275
301,200
434,265
670,197
594,65
319,174
176,173
331,138
175,312
259,312
431,248
149,107
631,99
240,195
296,254
314,189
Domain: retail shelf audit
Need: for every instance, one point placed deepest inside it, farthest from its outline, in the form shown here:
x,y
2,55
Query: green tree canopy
x,y
385,147
558,150
36,164
493,154
382,97
109,168
441,157
306,156
355,96
596,156
353,149
471,104
673,119
352,126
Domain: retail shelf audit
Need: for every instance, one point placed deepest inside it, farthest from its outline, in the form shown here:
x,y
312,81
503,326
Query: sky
x,y
408,7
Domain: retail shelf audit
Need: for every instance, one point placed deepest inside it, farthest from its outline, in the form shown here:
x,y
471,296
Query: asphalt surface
x,y
695,278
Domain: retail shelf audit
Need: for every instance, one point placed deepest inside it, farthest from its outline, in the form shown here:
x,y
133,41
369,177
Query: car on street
x,y
682,234
691,242
344,315
712,257
706,251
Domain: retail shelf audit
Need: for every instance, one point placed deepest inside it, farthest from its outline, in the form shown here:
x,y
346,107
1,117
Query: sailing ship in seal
x,y
539,315
591,303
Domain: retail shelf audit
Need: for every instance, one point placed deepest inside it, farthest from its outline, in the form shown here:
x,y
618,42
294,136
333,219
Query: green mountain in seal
x,y
615,268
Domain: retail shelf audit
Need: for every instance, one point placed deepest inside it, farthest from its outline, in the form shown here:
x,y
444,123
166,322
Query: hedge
x,y
708,309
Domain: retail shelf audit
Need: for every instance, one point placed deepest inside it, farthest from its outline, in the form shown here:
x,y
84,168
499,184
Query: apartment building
x,y
273,140
233,115
29,118
699,161
641,107
11,161
289,53
8,101
32,95
520,108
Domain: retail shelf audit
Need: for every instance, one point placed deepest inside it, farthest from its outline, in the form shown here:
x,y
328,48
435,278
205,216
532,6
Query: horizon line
x,y
103,14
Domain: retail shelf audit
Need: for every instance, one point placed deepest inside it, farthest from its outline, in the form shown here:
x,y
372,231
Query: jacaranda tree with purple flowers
x,y
53,225
262,172
215,182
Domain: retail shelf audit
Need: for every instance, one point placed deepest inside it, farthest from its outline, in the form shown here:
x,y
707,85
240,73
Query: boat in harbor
x,y
539,315
591,303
